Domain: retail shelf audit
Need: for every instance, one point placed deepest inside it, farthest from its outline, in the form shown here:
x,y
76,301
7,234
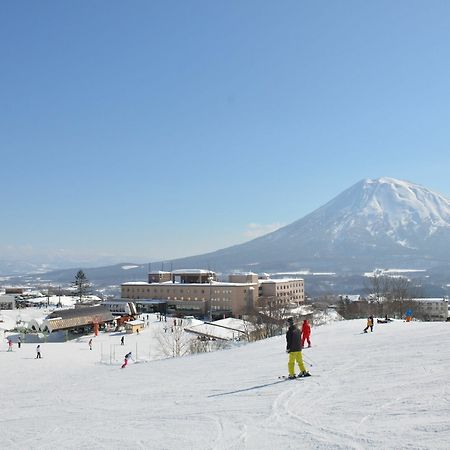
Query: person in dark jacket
x,y
294,348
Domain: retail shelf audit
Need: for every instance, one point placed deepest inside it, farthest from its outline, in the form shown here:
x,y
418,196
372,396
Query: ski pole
x,y
308,362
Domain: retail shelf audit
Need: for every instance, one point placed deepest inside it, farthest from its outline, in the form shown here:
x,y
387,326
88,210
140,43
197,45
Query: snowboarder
x,y
10,344
125,361
369,324
90,344
294,348
306,332
38,352
122,340
19,342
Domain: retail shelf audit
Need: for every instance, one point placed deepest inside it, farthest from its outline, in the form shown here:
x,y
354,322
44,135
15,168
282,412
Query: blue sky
x,y
157,129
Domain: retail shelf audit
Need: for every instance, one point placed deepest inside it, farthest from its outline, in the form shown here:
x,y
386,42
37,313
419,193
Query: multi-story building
x,y
282,290
198,292
432,309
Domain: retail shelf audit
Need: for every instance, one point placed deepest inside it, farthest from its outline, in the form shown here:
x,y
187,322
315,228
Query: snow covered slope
x,y
383,390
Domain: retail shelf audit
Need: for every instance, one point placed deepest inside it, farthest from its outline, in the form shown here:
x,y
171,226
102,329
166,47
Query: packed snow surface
x,y
383,390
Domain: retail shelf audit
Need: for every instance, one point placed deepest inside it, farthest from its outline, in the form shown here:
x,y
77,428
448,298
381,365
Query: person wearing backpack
x,y
294,348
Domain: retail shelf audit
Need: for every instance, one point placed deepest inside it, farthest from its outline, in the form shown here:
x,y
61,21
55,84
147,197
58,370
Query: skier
x,y
90,344
306,332
294,348
369,324
38,352
10,345
19,342
122,340
125,361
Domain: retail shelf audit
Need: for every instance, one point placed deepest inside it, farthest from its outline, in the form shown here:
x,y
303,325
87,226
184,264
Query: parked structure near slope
x,y
82,318
198,292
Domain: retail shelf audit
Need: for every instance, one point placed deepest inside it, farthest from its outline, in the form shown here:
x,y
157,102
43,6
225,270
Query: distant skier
x,y
306,333
90,344
38,352
369,324
122,340
19,342
10,344
294,348
125,361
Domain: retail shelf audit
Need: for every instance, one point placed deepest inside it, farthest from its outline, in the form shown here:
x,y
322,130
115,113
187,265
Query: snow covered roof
x,y
214,331
278,280
439,299
192,271
135,322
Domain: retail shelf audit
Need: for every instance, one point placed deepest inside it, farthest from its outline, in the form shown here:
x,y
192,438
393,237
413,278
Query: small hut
x,y
134,326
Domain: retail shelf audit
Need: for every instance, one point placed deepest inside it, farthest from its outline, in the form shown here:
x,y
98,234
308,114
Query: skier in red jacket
x,y
306,332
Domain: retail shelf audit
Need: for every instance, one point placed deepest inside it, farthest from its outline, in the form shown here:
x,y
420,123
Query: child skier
x,y
90,344
369,324
38,352
125,361
294,348
10,344
306,332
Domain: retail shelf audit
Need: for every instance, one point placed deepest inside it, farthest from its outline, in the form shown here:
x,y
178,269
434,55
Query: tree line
x,y
385,296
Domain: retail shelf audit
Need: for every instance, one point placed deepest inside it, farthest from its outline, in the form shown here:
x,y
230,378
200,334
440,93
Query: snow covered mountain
x,y
380,223
376,222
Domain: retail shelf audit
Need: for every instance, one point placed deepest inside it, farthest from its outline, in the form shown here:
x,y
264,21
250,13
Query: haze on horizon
x,y
154,131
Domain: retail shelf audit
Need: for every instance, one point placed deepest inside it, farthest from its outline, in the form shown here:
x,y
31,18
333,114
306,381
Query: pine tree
x,y
81,284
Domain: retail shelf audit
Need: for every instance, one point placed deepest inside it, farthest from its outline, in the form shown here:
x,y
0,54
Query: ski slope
x,y
386,390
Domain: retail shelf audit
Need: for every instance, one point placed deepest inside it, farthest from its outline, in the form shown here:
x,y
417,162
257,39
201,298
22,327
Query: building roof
x,y
439,299
192,271
211,330
73,318
278,280
135,322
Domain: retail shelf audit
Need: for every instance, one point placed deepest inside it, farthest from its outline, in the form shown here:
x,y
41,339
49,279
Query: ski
x,y
285,377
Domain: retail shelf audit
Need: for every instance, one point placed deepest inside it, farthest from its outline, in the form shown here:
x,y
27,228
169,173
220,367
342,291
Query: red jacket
x,y
306,329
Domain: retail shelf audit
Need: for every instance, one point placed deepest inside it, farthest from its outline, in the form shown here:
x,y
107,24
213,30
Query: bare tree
x,y
399,296
174,342
269,318
377,287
